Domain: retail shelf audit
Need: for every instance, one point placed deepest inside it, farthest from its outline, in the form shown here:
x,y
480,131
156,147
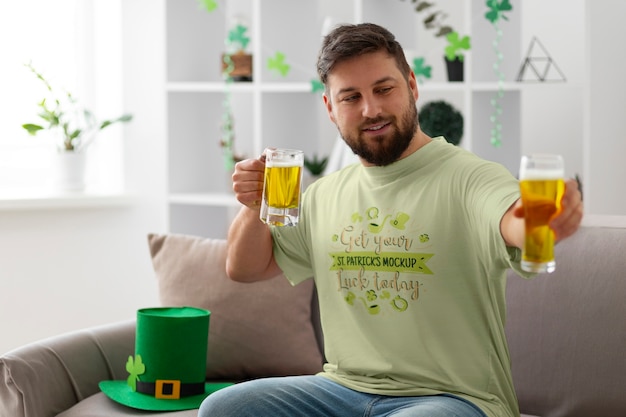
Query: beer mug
x,y
541,186
280,205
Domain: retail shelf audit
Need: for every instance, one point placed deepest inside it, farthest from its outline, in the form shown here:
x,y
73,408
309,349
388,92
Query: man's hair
x,y
348,41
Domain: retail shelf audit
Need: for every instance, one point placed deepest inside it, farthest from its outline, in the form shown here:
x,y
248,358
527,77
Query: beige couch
x,y
567,334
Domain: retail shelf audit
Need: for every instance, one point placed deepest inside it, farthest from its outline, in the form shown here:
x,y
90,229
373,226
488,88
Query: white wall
x,y
69,268
605,109
580,119
553,111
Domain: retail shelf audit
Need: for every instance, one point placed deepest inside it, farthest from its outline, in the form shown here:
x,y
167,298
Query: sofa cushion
x,y
256,329
566,330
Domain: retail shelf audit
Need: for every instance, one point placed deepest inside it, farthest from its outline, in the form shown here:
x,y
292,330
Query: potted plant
x,y
315,166
236,62
435,21
454,55
440,118
74,126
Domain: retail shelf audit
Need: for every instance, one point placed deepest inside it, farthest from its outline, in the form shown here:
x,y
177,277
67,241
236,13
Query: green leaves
x,y
277,63
421,5
435,22
440,118
124,118
52,116
456,45
134,368
497,9
315,165
62,114
434,19
31,128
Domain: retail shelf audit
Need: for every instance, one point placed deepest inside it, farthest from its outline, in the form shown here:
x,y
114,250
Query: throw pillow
x,y
255,329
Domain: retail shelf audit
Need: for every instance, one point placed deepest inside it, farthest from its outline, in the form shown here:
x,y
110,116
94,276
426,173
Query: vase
x,y
69,171
242,66
455,69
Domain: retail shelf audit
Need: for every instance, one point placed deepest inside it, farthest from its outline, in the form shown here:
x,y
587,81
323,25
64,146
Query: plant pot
x,y
455,69
69,171
242,66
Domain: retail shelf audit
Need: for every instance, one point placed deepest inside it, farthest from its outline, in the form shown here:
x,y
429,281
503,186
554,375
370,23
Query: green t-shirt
x,y
410,268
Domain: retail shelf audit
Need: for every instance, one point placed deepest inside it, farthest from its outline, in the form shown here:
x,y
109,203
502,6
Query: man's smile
x,y
377,128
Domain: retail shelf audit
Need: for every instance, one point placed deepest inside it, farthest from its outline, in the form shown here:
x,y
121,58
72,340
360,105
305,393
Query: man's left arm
x,y
564,224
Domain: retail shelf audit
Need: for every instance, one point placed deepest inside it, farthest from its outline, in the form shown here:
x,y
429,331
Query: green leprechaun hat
x,y
168,370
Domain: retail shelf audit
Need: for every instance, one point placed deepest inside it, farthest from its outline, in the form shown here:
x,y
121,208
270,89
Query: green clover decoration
x,y
497,9
209,5
134,368
316,86
421,71
277,63
456,45
238,35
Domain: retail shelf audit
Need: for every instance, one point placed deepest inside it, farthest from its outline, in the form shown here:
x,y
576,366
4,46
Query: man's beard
x,y
389,149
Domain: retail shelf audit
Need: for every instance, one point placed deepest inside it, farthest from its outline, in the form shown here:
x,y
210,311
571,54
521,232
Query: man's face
x,y
373,107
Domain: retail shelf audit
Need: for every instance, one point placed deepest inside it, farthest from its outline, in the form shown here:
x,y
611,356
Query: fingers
x,y
518,209
567,222
248,181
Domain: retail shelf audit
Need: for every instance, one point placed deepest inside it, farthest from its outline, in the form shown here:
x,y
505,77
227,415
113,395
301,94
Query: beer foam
x,y
282,164
541,174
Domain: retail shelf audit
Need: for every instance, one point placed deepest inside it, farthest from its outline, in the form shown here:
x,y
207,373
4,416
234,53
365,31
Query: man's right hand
x,y
248,181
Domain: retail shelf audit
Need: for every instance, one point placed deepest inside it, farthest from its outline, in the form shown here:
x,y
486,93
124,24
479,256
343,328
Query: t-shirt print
x,y
378,258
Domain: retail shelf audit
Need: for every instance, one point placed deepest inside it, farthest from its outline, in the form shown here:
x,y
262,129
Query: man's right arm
x,y
250,250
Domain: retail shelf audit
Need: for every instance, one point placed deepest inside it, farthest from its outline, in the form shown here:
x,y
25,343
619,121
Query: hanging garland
x,y
237,39
227,126
496,11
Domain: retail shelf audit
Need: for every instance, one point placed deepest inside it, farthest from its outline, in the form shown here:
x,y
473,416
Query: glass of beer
x,y
541,186
282,189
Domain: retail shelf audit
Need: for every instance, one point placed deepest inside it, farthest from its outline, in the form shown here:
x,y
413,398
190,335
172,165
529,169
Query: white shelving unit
x,y
276,111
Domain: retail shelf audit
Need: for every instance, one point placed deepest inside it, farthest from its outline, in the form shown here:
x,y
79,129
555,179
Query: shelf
x,y
207,87
495,86
246,87
205,199
190,86
14,200
294,87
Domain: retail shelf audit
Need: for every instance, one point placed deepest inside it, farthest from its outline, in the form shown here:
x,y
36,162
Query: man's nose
x,y
371,107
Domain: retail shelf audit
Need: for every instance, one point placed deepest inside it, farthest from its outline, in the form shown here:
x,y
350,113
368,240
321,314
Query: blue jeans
x,y
316,396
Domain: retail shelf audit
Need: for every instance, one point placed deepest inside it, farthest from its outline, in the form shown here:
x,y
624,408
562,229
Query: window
x,y
76,44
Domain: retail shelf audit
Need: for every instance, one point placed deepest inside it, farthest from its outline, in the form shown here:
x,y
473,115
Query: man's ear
x,y
329,108
413,85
